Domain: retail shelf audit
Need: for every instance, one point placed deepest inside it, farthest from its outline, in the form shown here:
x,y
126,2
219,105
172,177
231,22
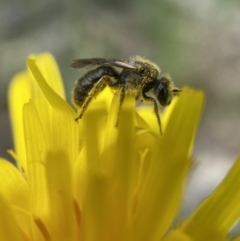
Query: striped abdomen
x,y
92,83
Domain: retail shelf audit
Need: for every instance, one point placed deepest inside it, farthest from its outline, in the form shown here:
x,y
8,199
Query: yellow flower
x,y
89,180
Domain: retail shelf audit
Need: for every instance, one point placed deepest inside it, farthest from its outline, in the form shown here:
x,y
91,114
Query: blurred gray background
x,y
197,42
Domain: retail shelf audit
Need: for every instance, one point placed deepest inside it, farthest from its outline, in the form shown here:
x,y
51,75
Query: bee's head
x,y
164,90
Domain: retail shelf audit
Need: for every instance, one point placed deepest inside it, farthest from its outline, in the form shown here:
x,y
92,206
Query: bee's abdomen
x,y
92,83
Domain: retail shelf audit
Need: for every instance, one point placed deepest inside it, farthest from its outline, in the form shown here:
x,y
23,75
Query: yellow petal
x,y
218,213
9,231
177,235
64,129
121,169
26,223
36,151
106,208
13,186
62,221
22,89
49,69
161,193
146,152
35,64
102,102
93,127
19,94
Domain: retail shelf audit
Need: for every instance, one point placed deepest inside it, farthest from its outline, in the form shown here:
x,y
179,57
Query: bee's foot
x,y
76,119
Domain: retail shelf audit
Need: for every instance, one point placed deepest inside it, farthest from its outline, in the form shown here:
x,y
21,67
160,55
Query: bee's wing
x,y
91,63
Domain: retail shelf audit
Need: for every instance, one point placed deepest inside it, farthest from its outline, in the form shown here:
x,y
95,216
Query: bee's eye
x,y
161,92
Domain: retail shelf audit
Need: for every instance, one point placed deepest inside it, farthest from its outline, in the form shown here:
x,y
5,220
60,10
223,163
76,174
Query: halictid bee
x,y
138,76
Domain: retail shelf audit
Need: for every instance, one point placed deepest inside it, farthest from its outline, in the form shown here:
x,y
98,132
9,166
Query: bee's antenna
x,y
176,91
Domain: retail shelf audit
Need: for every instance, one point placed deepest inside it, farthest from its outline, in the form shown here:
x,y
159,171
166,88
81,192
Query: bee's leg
x,y
155,107
98,87
121,99
90,85
138,96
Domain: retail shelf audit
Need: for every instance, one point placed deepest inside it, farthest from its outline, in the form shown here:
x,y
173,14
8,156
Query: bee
x,y
137,76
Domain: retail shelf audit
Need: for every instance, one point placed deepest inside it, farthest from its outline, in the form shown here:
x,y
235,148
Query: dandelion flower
x,y
90,180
